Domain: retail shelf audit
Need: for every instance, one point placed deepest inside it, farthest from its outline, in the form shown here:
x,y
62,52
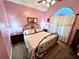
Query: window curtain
x,y
62,25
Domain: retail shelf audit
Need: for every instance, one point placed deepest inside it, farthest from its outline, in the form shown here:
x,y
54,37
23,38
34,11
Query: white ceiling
x,y
31,3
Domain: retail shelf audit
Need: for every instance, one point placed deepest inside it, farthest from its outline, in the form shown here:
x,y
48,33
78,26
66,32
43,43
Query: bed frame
x,y
36,56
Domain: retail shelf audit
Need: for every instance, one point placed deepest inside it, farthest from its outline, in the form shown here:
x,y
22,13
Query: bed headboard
x,y
32,23
31,26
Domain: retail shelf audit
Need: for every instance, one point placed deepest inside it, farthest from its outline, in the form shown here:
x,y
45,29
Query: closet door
x,y
62,25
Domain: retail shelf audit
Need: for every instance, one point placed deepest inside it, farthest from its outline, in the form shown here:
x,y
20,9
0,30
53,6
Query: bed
x,y
38,42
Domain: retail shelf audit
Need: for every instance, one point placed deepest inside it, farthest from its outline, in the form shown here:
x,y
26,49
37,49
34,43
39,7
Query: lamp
x,y
48,2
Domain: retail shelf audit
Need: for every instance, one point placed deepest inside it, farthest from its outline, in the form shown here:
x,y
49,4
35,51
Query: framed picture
x,y
32,20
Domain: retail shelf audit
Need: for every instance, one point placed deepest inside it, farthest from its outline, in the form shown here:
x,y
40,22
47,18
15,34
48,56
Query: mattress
x,y
32,41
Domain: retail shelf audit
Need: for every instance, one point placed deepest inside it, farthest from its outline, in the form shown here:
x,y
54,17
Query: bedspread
x,y
33,40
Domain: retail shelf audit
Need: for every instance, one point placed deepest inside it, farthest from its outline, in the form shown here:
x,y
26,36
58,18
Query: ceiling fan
x,y
45,0
48,2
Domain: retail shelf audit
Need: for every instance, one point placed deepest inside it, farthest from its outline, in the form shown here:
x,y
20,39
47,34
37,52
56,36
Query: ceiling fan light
x,y
53,2
44,2
48,1
47,5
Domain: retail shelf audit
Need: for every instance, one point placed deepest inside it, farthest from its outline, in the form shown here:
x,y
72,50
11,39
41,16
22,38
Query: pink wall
x,y
20,13
4,36
3,51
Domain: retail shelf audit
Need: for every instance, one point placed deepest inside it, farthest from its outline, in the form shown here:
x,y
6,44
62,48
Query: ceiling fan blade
x,y
59,0
40,1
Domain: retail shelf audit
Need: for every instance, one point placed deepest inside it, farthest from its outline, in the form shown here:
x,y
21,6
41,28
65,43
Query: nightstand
x,y
17,38
45,30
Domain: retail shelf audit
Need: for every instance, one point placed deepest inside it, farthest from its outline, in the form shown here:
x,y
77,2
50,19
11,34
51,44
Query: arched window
x,y
64,11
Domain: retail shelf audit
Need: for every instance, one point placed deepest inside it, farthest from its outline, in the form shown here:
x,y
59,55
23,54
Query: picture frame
x,y
32,20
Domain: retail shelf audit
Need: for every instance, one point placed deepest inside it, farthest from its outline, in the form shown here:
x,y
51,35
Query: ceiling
x,y
31,3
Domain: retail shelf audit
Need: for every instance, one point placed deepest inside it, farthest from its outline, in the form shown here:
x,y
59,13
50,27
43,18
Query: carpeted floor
x,y
20,51
60,51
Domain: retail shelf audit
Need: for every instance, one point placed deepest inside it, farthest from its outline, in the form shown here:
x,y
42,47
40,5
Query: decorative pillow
x,y
27,32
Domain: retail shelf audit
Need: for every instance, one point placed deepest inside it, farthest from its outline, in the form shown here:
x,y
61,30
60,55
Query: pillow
x,y
38,30
27,32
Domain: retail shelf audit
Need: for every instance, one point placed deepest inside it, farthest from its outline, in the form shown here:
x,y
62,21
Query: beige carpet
x,y
60,51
